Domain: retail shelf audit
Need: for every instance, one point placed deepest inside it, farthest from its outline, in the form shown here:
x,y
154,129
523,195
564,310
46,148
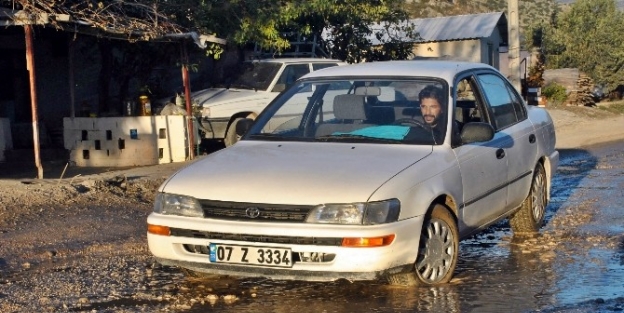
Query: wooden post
x,y
187,97
30,66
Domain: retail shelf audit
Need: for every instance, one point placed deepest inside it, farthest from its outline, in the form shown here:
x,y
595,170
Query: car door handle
x,y
500,153
532,138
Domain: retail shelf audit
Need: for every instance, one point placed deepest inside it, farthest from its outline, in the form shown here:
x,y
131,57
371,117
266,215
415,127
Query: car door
x,y
510,116
483,165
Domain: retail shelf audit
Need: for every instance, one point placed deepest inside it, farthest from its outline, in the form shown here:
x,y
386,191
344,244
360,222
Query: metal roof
x,y
460,27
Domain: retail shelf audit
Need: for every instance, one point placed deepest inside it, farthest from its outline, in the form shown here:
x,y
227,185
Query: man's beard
x,y
433,122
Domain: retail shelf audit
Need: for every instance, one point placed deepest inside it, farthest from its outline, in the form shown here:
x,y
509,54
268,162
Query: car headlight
x,y
205,112
370,213
170,204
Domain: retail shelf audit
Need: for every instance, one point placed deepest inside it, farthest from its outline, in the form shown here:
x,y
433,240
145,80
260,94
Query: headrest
x,y
349,107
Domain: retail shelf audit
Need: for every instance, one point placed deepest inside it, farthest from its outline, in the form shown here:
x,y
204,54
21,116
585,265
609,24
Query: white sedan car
x,y
372,171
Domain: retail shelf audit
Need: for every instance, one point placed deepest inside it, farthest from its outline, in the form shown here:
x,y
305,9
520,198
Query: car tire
x,y
437,252
230,135
530,217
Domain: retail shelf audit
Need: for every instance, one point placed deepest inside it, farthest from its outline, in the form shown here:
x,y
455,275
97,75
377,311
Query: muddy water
x,y
576,264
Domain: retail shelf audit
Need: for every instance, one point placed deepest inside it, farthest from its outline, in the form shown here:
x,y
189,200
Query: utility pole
x,y
514,44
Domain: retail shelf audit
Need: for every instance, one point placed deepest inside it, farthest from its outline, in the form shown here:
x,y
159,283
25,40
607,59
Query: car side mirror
x,y
243,126
476,132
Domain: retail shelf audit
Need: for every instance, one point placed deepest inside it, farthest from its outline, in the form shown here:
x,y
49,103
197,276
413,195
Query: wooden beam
x,y
30,66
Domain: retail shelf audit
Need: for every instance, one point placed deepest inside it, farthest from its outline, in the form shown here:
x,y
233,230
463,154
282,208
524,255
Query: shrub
x,y
554,92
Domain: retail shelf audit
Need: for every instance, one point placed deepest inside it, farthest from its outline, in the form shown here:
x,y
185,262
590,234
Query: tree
x,y
588,36
348,25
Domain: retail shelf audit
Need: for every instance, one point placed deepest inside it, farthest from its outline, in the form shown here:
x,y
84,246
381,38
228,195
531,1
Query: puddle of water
x,y
495,273
595,275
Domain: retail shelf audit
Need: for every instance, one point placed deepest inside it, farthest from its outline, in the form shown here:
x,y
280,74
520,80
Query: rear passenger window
x,y
498,96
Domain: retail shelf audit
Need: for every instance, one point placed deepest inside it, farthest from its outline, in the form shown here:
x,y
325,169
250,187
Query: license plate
x,y
267,256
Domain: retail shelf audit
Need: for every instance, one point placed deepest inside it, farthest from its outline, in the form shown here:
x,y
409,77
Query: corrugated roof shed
x,y
461,27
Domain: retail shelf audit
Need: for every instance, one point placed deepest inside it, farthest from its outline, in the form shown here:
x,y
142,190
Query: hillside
x,y
531,11
619,3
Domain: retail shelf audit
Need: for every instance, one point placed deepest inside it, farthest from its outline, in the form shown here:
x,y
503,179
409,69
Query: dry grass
x,y
616,107
603,109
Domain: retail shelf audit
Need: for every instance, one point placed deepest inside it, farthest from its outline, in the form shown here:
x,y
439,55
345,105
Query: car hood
x,y
294,173
216,96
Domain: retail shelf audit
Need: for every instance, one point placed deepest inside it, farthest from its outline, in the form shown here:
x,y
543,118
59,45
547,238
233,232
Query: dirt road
x,y
79,243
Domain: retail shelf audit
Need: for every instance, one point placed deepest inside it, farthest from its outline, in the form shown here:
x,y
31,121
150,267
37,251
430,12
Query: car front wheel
x,y
437,251
231,137
530,216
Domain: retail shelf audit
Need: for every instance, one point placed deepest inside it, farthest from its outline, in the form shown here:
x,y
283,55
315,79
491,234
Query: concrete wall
x,y
6,142
504,63
485,50
464,50
126,141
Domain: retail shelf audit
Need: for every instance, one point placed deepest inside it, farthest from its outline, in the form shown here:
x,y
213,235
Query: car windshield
x,y
357,110
254,75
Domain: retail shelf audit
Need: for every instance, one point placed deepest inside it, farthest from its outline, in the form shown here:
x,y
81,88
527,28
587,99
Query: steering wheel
x,y
410,122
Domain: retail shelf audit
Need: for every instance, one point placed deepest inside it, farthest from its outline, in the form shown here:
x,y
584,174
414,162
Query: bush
x,y
554,92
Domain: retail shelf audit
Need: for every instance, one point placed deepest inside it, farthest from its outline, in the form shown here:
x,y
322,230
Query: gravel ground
x,y
78,243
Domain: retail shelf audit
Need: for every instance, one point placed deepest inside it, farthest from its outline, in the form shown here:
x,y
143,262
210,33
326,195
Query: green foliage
x,y
267,23
588,36
554,92
214,50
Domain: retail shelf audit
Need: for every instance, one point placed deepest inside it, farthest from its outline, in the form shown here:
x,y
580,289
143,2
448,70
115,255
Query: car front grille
x,y
254,211
319,241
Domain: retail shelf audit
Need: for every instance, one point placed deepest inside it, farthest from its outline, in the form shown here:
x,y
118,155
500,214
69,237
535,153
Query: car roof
x,y
442,69
298,60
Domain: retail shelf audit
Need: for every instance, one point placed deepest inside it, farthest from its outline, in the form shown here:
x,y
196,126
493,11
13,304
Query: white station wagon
x,y
372,171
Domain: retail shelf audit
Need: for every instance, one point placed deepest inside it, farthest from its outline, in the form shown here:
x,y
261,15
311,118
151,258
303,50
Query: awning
x,y
109,23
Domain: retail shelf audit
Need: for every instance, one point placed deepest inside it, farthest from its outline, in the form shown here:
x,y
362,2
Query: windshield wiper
x,y
276,137
352,137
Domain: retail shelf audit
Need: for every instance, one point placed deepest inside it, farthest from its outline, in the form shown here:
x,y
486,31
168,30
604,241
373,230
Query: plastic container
x,y
146,106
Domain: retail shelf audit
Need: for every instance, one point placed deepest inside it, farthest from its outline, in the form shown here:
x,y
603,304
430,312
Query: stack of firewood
x,y
583,93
